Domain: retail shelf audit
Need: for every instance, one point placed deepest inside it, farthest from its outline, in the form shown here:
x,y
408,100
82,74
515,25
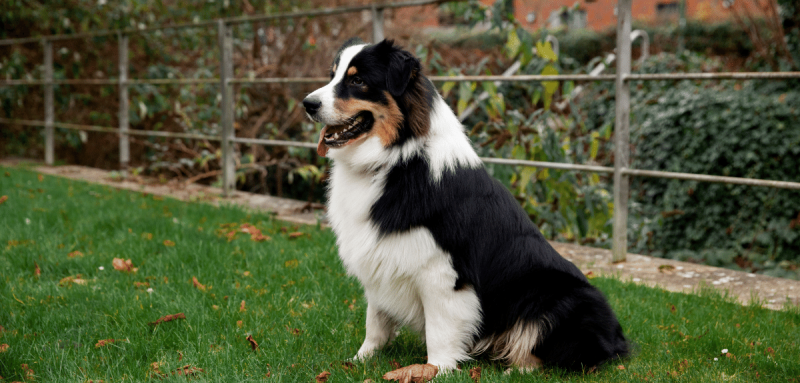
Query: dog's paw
x,y
363,355
445,367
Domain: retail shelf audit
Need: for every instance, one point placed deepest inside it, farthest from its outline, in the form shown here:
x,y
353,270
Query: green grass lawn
x,y
306,315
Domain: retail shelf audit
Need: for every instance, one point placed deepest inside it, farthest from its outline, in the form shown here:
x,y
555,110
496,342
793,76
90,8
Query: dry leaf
x,y
348,366
187,370
103,342
241,307
253,342
155,370
673,309
291,263
255,233
296,234
123,265
294,331
168,318
168,243
68,281
4,347
667,269
140,285
74,254
29,375
197,284
239,323
416,373
620,367
322,377
37,271
475,374
180,356
591,275
3,199
394,364
40,177
771,351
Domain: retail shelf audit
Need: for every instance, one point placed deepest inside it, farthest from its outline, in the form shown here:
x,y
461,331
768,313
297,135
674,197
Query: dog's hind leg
x,y
380,330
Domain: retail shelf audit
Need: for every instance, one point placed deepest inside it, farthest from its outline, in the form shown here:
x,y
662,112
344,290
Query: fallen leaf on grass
x,y
74,254
255,233
294,331
68,281
666,269
475,374
292,263
40,177
591,275
3,199
241,307
252,341
29,375
620,367
239,323
140,285
123,265
322,377
187,370
395,364
103,342
672,309
347,365
771,351
416,373
155,371
168,318
4,347
198,285
168,243
37,271
296,234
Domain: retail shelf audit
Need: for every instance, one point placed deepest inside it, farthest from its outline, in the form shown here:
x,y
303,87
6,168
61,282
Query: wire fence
x,y
621,171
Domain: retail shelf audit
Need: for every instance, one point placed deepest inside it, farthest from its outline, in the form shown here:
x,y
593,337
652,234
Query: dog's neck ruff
x,y
445,148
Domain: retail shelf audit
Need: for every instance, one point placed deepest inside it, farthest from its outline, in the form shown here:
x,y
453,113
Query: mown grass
x,y
305,313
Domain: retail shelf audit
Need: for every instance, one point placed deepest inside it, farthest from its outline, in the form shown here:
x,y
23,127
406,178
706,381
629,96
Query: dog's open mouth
x,y
336,136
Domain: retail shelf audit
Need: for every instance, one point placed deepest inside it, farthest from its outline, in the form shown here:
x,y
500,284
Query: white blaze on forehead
x,y
327,114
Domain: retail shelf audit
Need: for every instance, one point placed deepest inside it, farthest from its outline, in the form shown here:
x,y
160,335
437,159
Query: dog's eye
x,y
332,74
357,81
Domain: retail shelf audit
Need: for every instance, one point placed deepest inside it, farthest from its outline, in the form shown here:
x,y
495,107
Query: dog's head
x,y
376,92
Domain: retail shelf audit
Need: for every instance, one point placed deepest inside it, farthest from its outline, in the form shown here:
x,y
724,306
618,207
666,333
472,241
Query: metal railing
x,y
622,78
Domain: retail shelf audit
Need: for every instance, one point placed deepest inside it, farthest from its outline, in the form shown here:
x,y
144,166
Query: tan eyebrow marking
x,y
352,71
334,68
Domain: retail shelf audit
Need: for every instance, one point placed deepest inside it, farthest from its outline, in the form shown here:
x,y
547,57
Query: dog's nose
x,y
312,105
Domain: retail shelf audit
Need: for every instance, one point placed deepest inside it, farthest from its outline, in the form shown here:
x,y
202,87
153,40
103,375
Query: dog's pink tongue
x,y
322,149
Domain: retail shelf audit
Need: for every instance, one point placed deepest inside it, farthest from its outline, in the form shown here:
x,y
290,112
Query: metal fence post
x,y
49,112
226,72
377,24
621,134
124,144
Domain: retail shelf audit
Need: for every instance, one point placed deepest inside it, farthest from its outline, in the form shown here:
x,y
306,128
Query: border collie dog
x,y
438,244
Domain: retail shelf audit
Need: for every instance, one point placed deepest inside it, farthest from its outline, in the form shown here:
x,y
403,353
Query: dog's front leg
x,y
451,321
380,330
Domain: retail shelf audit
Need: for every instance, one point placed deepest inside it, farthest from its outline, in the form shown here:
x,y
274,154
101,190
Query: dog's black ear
x,y
402,67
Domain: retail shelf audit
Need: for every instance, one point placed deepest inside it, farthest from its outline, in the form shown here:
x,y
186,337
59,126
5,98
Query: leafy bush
x,y
725,129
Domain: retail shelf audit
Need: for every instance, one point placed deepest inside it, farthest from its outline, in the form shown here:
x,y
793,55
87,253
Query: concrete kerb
x,y
772,293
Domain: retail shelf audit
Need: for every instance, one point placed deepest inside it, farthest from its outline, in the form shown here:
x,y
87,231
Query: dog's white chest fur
x,y
389,267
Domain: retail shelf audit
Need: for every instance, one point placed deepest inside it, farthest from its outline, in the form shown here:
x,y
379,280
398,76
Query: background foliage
x,y
728,128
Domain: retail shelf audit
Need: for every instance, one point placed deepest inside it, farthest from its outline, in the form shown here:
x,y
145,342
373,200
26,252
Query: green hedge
x,y
723,130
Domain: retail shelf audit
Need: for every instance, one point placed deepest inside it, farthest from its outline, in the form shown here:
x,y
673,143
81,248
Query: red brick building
x,y
595,15
601,14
